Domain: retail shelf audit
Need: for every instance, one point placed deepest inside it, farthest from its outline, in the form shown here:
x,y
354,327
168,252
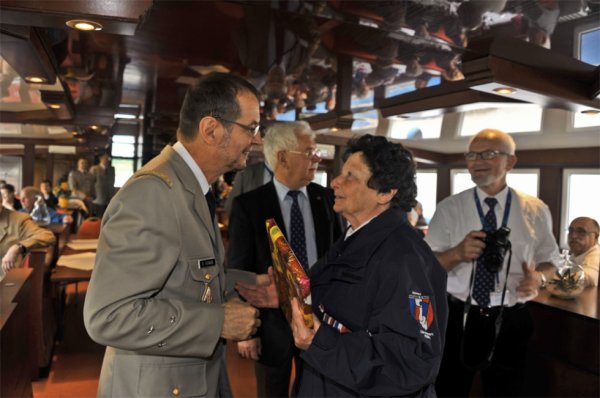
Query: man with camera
x,y
490,239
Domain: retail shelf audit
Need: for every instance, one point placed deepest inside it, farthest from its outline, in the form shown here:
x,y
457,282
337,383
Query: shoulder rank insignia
x,y
156,173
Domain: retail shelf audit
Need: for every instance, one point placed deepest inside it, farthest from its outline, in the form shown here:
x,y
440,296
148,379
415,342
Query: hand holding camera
x,y
496,246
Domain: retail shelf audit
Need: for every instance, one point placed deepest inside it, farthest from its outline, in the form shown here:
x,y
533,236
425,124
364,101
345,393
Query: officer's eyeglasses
x,y
485,155
250,129
309,153
580,231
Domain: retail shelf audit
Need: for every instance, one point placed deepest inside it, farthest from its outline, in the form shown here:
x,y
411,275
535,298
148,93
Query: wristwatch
x,y
22,249
544,280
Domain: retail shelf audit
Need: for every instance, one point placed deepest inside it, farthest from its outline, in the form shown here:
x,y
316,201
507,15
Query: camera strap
x,y
497,322
467,306
506,208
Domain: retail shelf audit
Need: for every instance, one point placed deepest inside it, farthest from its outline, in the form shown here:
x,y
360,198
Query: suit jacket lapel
x,y
321,217
271,206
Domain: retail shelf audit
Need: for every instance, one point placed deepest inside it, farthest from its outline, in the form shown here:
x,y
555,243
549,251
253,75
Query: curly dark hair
x,y
392,167
213,95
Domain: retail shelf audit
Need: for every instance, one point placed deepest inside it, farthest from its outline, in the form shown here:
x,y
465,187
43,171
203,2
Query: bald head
x,y
503,140
28,197
491,155
583,235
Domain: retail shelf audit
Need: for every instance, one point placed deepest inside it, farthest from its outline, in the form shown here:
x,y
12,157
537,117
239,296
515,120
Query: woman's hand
x,y
303,335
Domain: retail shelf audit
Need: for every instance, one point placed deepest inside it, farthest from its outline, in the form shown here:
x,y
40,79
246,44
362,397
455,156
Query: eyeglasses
x,y
580,231
485,155
251,130
309,153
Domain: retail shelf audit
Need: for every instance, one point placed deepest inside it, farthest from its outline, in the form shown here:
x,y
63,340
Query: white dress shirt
x,y
285,204
531,237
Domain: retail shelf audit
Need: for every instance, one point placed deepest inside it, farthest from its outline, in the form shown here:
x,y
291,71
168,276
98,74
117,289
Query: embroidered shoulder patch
x,y
421,308
163,176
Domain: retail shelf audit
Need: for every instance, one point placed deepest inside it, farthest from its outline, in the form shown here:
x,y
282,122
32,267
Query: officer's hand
x,y
241,320
529,285
303,335
261,295
250,349
471,247
11,258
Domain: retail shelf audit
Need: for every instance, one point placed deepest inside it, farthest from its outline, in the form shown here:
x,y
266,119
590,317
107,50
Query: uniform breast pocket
x,y
172,380
205,276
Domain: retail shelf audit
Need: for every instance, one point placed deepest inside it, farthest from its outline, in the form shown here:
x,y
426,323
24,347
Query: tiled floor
x,y
77,361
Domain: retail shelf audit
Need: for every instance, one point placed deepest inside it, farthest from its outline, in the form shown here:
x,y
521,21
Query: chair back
x,y
89,228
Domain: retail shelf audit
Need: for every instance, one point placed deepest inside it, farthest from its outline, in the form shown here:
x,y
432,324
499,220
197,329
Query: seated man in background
x,y
28,197
585,251
8,197
20,234
49,197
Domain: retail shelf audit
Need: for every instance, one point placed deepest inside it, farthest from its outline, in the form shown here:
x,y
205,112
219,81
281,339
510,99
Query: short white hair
x,y
282,136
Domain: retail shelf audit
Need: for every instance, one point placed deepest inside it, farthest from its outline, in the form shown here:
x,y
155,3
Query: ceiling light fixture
x,y
84,25
504,90
34,79
590,112
53,106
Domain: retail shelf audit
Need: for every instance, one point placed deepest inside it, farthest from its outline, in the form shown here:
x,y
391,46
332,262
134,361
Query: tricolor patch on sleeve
x,y
421,308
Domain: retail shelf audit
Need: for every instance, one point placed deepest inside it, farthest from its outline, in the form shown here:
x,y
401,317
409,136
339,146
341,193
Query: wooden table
x,y
564,355
15,372
61,277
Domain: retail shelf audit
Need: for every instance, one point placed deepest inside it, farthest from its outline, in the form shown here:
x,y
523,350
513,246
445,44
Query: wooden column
x,y
28,164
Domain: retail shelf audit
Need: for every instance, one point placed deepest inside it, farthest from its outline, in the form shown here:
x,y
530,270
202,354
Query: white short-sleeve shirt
x,y
531,236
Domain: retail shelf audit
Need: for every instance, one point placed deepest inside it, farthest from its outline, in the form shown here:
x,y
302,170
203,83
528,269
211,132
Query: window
x,y
427,192
523,180
513,119
407,129
580,198
123,154
587,48
320,178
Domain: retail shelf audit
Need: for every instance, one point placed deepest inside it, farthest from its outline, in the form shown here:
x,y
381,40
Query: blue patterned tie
x,y
484,279
298,239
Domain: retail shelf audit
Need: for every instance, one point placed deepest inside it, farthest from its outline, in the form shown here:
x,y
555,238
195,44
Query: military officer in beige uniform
x,y
155,298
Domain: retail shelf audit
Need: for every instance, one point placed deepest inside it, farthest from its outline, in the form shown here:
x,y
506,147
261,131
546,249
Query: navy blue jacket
x,y
386,286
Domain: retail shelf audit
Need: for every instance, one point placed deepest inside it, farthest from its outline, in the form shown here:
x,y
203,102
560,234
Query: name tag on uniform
x,y
206,263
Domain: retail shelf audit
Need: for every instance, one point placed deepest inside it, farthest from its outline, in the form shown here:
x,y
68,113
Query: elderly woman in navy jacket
x,y
379,293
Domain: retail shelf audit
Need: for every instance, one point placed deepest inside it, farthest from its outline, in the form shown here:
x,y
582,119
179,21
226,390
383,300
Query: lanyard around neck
x,y
506,208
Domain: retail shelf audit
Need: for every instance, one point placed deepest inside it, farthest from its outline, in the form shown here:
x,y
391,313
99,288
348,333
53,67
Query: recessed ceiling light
x,y
34,79
94,127
82,24
590,112
504,90
334,129
53,106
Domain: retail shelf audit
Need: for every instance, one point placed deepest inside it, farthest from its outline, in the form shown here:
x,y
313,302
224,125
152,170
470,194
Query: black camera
x,y
496,245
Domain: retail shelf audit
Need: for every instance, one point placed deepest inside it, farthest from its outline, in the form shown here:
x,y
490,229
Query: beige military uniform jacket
x,y
18,227
156,290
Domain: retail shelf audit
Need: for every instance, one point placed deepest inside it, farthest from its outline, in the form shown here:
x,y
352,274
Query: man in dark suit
x,y
291,149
